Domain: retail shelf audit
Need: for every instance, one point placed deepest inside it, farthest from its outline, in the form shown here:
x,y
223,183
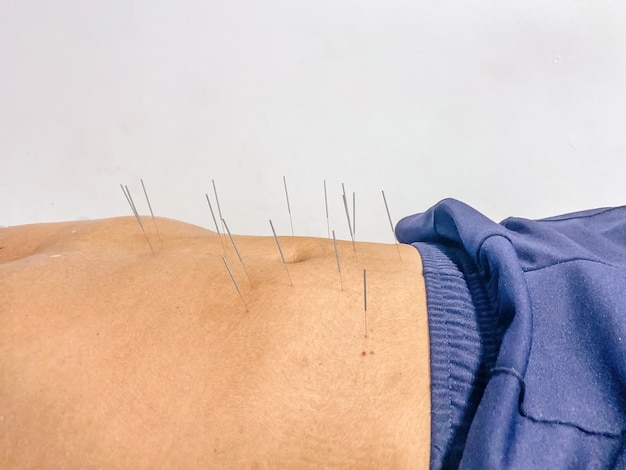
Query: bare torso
x,y
113,357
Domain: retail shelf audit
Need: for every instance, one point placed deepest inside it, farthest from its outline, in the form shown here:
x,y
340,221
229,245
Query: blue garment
x,y
527,325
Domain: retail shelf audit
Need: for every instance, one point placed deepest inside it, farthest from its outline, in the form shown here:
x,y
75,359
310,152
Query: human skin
x,y
115,357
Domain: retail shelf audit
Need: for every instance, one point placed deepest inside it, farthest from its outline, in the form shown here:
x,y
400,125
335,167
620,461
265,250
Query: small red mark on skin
x,y
364,353
371,352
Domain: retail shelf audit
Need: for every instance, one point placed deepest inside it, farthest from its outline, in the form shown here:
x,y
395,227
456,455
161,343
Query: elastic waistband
x,y
463,347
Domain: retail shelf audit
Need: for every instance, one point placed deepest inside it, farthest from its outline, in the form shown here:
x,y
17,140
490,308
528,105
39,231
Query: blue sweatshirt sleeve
x,y
544,382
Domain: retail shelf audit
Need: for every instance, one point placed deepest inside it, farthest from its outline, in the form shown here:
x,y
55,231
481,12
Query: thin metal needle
x,y
391,225
129,198
126,196
282,257
326,203
365,299
236,250
345,204
217,199
217,228
151,213
235,282
288,205
337,258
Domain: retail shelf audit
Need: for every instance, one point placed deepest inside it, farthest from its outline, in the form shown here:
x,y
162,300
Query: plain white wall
x,y
517,108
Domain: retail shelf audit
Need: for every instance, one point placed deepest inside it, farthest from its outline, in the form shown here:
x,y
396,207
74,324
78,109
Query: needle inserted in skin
x,y
365,299
236,250
217,228
345,204
391,225
129,198
217,199
281,252
133,206
288,205
326,203
337,258
151,213
235,282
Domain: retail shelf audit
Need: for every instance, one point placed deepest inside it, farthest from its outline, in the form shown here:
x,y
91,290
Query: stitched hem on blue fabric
x,y
463,347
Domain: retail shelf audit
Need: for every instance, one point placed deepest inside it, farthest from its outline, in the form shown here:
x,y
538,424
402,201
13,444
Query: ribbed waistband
x,y
463,347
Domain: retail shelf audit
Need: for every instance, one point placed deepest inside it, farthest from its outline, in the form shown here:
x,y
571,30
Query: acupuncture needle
x,y
151,213
133,206
345,204
217,228
393,232
235,282
217,199
337,258
282,257
129,198
288,205
237,251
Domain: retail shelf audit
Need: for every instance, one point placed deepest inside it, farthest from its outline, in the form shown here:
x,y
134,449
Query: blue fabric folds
x,y
528,337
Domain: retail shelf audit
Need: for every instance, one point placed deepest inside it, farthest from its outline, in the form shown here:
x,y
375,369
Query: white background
x,y
517,108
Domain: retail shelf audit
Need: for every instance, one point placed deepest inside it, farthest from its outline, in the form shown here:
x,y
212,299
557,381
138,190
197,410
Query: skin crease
x,y
112,357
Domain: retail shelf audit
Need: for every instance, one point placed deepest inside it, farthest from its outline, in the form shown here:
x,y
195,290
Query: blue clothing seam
x,y
570,260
